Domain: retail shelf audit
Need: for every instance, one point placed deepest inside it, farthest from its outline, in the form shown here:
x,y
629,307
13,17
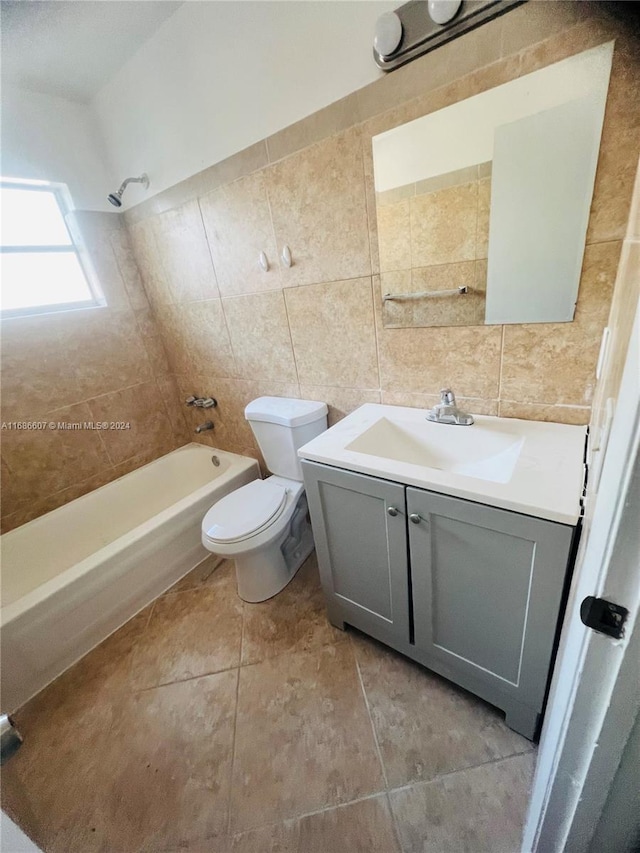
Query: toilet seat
x,y
245,512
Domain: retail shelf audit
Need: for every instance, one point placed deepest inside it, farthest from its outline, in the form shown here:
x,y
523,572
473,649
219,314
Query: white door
x,y
595,692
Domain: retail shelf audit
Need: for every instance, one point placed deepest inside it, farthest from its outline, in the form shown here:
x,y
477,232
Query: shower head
x,y
116,198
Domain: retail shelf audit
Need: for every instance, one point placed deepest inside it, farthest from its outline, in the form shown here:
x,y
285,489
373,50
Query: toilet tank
x,y
281,425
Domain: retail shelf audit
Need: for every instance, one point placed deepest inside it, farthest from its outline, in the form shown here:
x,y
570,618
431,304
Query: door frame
x,y
580,748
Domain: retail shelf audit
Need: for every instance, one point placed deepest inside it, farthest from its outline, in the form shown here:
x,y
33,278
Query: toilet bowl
x,y
264,526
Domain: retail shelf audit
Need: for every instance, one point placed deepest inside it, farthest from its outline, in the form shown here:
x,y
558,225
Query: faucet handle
x,y
202,402
447,397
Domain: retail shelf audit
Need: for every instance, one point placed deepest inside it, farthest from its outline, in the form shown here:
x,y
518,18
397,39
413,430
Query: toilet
x,y
264,526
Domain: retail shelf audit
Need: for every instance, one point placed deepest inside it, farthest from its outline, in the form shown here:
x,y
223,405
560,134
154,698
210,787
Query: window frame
x,y
61,196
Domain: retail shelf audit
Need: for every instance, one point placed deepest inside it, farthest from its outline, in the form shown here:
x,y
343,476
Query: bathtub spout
x,y
205,426
10,738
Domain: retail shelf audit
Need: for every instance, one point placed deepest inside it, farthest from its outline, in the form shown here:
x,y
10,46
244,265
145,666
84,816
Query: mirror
x,y
483,206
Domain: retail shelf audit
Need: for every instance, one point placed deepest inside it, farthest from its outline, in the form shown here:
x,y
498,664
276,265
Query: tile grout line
x,y
293,349
302,815
87,400
373,728
308,651
450,773
244,606
198,200
235,723
394,825
283,287
185,680
233,749
375,736
500,371
367,206
101,440
266,172
376,336
377,794
234,356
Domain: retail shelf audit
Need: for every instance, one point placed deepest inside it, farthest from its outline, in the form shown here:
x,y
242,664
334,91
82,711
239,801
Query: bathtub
x,y
73,576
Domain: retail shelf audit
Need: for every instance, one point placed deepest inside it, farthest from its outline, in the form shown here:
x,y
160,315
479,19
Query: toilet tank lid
x,y
285,410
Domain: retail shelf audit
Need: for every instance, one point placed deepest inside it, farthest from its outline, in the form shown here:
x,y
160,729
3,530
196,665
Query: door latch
x,y
604,616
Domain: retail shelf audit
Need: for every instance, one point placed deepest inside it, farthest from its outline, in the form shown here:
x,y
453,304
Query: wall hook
x,y
263,261
286,256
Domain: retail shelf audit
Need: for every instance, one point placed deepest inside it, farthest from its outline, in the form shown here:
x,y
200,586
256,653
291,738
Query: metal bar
x,y
25,250
424,294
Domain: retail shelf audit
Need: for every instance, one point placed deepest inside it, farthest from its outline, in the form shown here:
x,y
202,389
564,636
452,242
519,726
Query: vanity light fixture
x,y
420,26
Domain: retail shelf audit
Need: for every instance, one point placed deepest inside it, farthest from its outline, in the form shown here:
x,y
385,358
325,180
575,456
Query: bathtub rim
x,y
35,597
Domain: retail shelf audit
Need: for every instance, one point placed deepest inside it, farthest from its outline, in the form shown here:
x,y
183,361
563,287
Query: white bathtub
x,y
73,576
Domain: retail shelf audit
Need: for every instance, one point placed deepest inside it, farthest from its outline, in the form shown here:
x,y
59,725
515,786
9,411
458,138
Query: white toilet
x,y
264,526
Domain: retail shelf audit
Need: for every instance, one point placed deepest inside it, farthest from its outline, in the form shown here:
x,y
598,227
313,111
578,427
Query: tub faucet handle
x,y
202,402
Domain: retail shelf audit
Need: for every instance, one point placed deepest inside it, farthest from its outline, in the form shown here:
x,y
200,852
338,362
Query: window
x,y
40,267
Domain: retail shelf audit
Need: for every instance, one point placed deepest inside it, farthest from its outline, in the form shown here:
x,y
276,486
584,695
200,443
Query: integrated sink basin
x,y
529,467
484,453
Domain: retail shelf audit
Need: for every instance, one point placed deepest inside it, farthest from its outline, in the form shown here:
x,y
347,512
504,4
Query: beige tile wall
x,y
100,364
315,330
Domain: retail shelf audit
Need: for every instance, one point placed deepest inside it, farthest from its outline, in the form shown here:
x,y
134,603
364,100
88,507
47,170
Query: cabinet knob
x,y
392,510
415,518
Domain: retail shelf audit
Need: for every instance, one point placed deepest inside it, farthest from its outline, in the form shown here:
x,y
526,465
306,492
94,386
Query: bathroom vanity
x,y
450,544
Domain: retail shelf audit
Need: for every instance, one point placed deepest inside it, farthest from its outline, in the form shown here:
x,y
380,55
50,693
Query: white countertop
x,y
529,467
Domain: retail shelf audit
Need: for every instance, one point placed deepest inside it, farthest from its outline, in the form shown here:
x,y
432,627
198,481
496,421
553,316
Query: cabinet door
x,y
487,587
359,526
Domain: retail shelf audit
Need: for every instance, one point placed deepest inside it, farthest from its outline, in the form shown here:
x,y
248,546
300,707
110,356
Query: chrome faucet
x,y
447,412
203,427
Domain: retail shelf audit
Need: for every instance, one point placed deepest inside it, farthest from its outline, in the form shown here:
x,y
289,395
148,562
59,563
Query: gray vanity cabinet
x,y
359,527
487,587
471,591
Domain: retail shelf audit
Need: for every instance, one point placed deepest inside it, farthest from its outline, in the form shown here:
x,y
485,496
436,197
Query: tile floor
x,y
212,726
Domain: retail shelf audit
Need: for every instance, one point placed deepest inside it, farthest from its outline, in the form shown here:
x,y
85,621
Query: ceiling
x,y
71,48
